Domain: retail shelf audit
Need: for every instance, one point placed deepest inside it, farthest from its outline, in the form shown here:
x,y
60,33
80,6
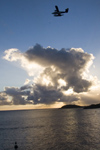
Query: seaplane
x,y
58,13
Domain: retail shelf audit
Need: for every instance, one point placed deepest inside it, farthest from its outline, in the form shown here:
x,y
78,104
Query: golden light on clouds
x,y
61,82
59,77
69,91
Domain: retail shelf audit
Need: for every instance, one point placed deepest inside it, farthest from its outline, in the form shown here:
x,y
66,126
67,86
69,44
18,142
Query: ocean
x,y
50,129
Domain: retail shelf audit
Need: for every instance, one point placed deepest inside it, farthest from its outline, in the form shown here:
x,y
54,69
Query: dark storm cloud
x,y
62,70
15,91
78,84
3,96
3,99
69,65
69,59
18,96
46,95
49,95
25,87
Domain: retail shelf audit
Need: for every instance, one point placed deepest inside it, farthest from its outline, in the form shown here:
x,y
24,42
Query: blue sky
x,y
23,23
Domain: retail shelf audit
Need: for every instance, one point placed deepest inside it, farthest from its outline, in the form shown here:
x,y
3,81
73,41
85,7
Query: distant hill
x,y
92,106
70,106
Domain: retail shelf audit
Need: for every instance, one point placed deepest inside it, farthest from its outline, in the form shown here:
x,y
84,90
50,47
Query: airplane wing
x,y
57,8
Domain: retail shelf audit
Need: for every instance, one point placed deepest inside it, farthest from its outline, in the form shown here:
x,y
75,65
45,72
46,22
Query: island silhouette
x,y
92,106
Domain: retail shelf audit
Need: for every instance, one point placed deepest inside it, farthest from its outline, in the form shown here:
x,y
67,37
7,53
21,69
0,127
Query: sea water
x,y
50,129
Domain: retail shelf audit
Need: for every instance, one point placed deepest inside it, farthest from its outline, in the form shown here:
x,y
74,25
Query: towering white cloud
x,y
59,75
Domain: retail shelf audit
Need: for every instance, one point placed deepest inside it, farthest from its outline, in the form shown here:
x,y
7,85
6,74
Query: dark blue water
x,y
54,129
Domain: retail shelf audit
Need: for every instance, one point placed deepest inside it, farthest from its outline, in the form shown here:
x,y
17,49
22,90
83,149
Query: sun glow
x,y
46,81
32,68
61,82
68,92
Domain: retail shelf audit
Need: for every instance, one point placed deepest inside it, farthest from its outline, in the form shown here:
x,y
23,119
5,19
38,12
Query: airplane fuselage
x,y
57,14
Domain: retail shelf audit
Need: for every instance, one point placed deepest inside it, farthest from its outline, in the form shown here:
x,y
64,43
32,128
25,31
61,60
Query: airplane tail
x,y
66,10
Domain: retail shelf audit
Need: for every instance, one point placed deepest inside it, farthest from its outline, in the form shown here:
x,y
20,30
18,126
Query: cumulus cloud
x,y
58,75
27,81
4,99
61,64
13,95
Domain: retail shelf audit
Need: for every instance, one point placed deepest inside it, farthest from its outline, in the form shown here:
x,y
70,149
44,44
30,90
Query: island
x,y
92,106
71,106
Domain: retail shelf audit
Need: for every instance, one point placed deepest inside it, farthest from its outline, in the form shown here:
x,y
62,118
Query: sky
x,y
48,61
